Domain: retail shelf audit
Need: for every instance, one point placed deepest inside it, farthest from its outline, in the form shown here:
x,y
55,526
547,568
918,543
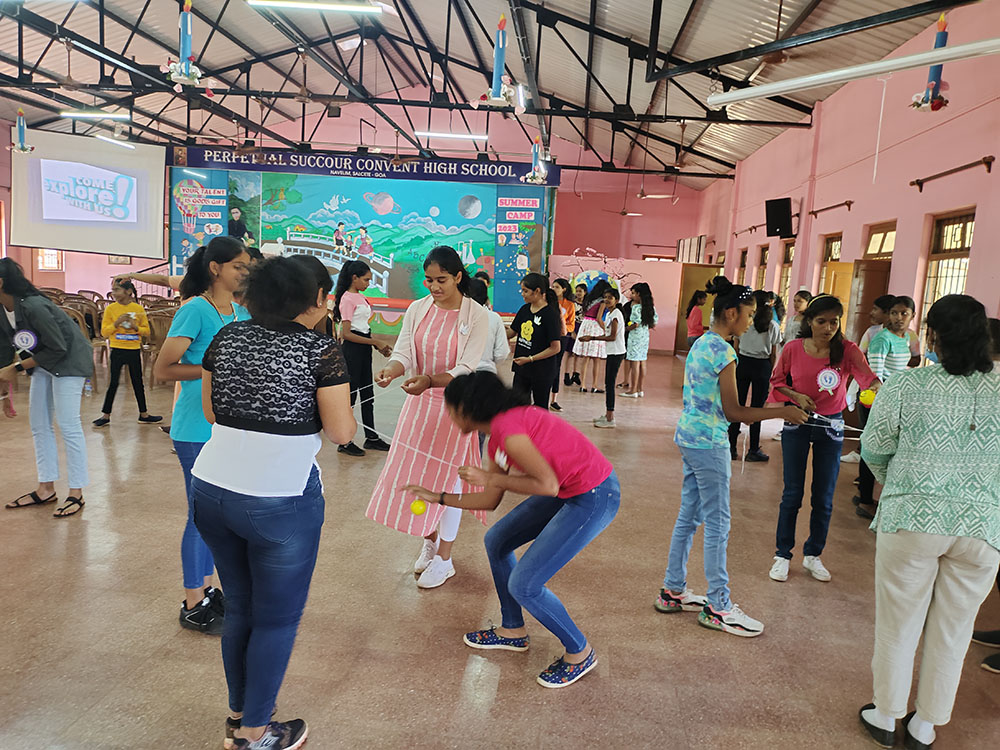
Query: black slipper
x,y
35,500
862,511
65,512
909,741
881,737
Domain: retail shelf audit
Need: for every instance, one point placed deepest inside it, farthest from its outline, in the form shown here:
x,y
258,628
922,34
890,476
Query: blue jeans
x,y
56,400
827,442
560,528
266,551
704,500
196,558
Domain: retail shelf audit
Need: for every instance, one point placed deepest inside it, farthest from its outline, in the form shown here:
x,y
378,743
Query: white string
x,y
878,136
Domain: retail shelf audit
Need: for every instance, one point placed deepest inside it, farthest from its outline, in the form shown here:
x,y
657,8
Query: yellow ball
x,y
418,507
867,397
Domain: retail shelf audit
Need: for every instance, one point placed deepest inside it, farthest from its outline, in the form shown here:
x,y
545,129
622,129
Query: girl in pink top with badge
x,y
574,495
817,365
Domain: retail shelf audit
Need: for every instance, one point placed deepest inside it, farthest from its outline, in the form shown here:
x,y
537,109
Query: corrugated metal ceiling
x,y
714,27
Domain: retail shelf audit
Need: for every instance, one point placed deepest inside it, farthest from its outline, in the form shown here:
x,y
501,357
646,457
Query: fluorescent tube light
x,y
195,174
91,114
457,136
853,73
520,94
320,5
109,139
350,43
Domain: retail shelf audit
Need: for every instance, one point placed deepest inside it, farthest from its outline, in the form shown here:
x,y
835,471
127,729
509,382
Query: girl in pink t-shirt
x,y
574,495
813,372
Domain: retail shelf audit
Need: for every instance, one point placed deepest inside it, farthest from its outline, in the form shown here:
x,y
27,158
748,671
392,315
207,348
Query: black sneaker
x,y
278,736
567,379
989,638
376,444
232,724
150,419
216,600
555,407
350,449
101,422
575,380
757,456
202,618
165,429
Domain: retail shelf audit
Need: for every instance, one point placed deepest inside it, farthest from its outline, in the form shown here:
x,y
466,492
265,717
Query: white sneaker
x,y
777,437
779,571
851,458
630,395
815,566
603,422
735,621
436,573
427,553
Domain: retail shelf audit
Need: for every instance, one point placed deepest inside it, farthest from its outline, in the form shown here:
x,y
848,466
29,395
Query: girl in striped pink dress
x,y
443,335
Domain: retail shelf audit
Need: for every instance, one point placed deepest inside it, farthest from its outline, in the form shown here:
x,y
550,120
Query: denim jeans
x,y
827,442
704,500
54,400
196,558
560,528
266,549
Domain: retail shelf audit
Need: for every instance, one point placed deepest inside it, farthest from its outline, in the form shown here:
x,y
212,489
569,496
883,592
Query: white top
x,y
497,348
618,345
11,318
356,311
244,461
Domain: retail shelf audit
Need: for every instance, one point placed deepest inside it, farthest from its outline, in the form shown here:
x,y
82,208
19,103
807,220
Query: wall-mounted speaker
x,y
779,217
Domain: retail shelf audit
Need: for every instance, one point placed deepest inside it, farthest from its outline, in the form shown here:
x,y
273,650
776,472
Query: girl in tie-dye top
x,y
710,403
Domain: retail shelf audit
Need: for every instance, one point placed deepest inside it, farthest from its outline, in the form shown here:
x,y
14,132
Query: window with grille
x,y
656,257
762,268
881,241
831,248
720,258
741,275
948,268
786,271
49,260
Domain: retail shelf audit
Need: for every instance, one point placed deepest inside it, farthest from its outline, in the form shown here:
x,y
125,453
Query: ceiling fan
x,y
642,194
398,161
624,211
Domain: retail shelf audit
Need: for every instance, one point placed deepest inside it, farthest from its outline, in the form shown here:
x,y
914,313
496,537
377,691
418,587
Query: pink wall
x,y
664,279
834,161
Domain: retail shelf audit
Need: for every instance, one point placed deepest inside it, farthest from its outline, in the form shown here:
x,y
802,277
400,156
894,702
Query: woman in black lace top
x,y
271,385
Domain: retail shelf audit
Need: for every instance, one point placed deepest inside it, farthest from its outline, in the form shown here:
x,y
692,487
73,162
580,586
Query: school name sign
x,y
361,165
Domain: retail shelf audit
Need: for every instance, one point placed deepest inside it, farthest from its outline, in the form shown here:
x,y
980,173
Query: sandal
x,y
64,511
35,500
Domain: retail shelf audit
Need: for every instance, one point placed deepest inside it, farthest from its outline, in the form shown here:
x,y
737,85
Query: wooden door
x,y
837,281
694,276
869,282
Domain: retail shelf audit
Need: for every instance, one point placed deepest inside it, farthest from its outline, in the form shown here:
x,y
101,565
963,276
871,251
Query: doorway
x,y
694,276
869,281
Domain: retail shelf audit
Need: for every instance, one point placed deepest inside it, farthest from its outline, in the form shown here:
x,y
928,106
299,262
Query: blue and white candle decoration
x,y
185,42
534,154
931,97
499,53
22,132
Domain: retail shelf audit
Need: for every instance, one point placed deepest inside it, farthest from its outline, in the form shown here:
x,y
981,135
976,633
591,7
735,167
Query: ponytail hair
x,y
762,318
348,272
128,286
450,261
646,304
697,300
197,275
481,396
596,294
822,303
539,283
727,295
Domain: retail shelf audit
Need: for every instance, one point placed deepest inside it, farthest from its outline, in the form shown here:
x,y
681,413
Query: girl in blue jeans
x,y
258,499
214,273
574,495
812,372
711,402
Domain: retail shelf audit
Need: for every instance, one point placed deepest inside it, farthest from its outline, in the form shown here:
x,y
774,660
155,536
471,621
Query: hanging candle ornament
x,y
931,98
22,131
539,170
501,92
499,55
184,71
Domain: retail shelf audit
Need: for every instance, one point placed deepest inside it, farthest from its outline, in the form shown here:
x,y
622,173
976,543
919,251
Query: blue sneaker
x,y
488,639
560,673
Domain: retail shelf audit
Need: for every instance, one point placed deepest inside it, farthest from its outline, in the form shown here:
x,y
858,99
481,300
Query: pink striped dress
x,y
424,427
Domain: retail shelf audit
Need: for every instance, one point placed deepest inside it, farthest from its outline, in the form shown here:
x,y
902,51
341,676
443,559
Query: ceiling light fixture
x,y
456,136
195,174
350,43
109,139
94,114
319,5
865,70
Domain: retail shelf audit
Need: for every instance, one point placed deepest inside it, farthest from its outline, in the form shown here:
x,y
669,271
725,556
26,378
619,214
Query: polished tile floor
x,y
93,657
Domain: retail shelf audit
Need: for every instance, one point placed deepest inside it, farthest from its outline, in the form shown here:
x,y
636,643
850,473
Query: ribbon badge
x,y
25,340
828,380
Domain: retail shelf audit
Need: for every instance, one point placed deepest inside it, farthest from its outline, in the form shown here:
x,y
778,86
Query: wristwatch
x,y
19,367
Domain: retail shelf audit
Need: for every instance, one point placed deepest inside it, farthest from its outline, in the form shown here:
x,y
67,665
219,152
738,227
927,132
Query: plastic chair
x,y
77,316
91,295
159,325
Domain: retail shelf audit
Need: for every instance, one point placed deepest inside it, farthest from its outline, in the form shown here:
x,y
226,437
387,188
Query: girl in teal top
x,y
214,273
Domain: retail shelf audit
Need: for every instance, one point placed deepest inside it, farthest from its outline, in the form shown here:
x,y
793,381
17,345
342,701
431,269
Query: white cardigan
x,y
473,329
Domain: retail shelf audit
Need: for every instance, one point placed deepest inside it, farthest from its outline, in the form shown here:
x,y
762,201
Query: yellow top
x,y
130,335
